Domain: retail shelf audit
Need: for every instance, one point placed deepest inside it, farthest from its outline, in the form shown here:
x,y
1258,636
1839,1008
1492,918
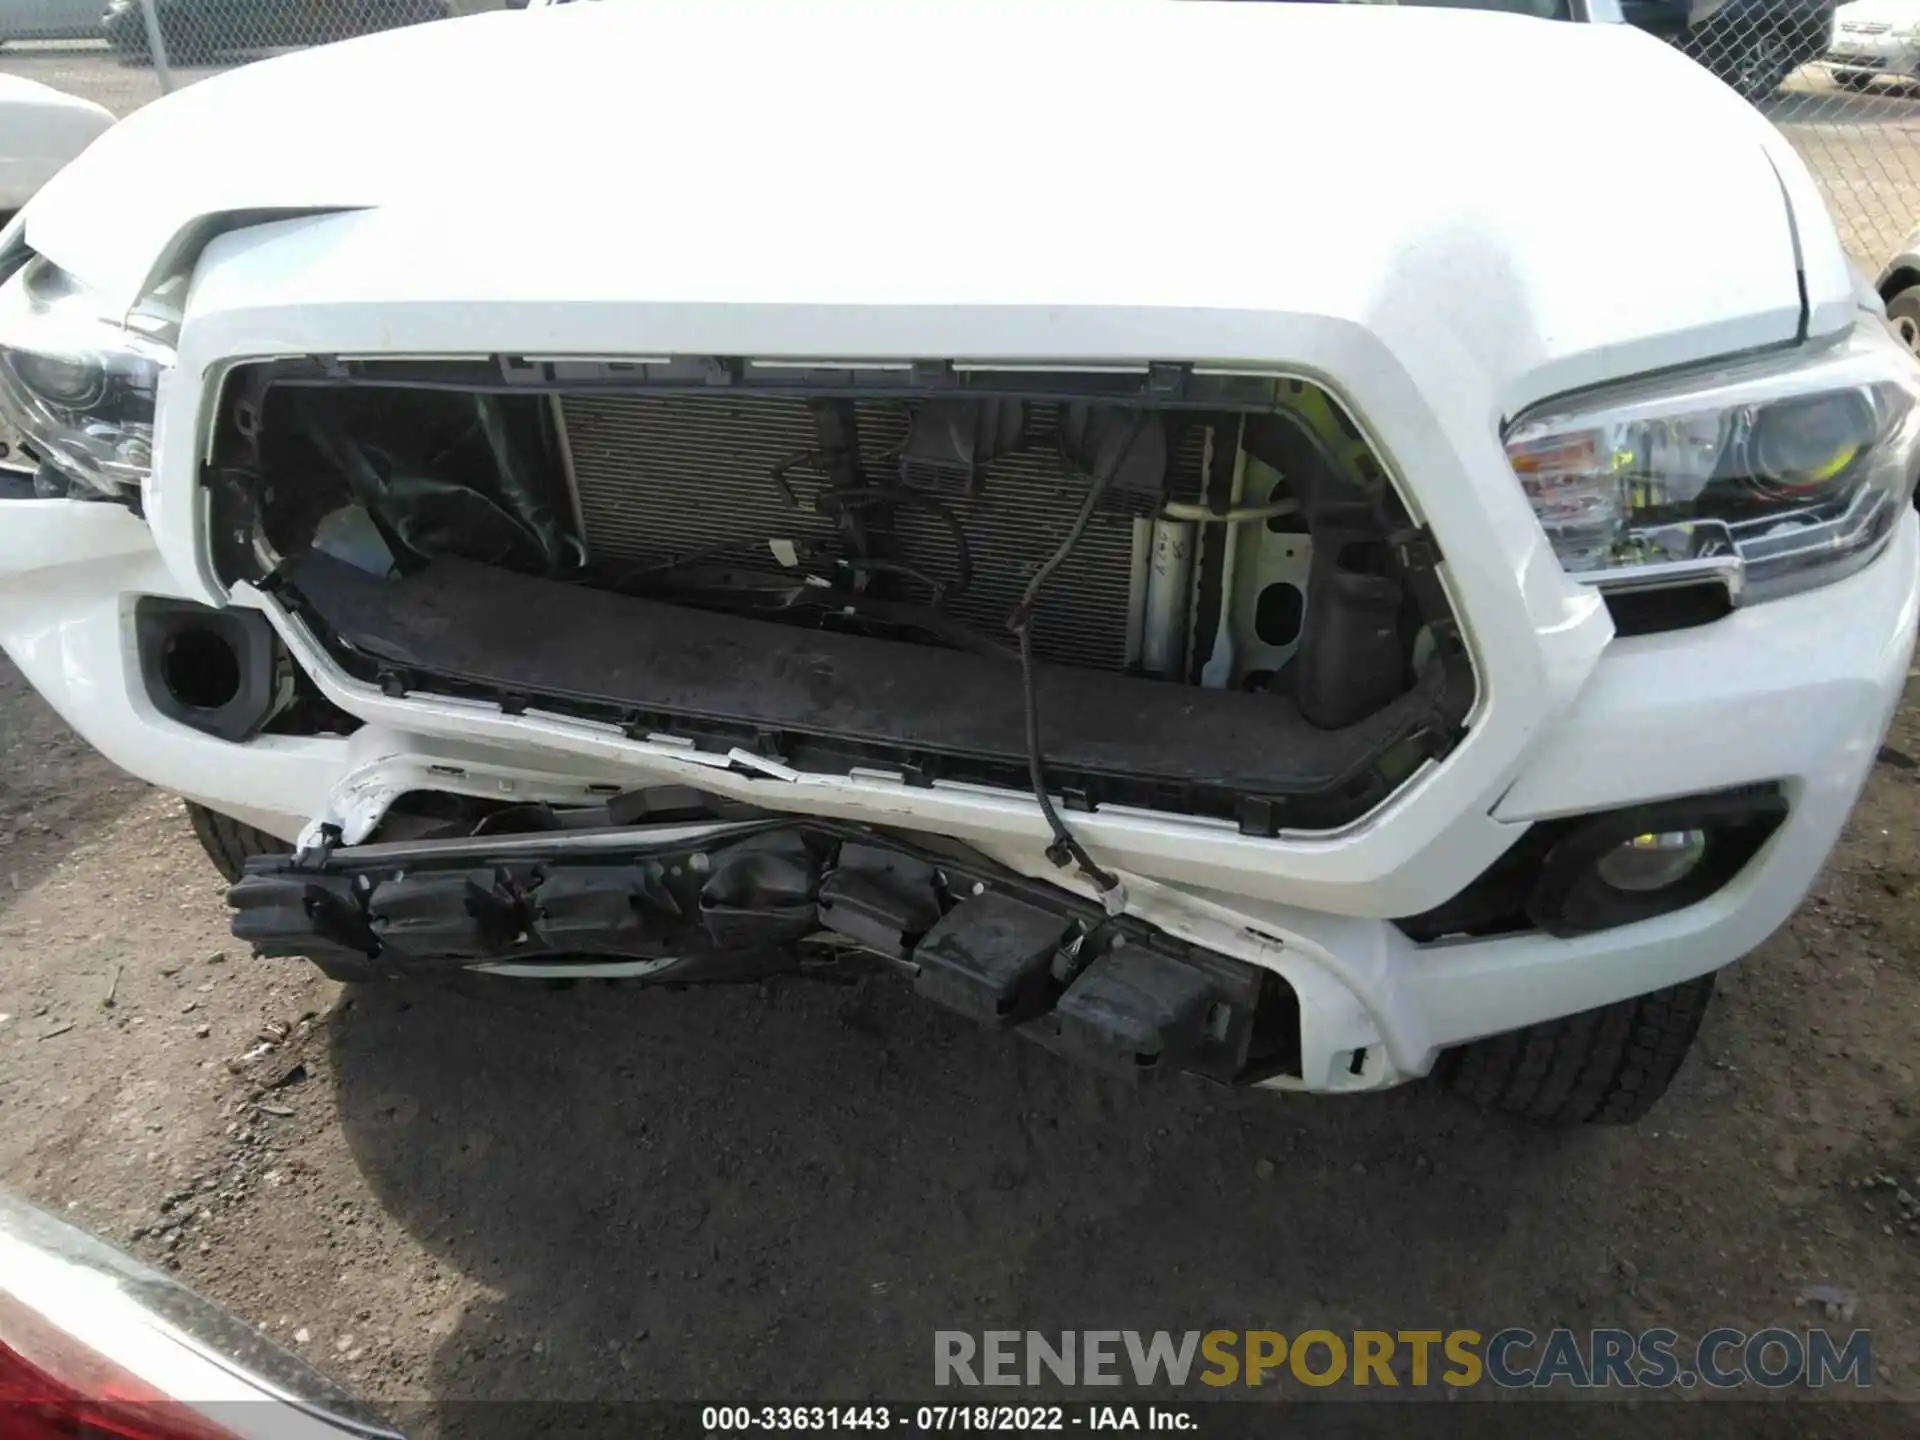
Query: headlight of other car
x,y
1772,475
76,383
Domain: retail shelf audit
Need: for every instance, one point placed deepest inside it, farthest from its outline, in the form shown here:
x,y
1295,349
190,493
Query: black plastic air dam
x,y
727,680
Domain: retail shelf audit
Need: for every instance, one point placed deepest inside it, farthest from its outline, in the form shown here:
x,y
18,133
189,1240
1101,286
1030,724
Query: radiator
x,y
665,477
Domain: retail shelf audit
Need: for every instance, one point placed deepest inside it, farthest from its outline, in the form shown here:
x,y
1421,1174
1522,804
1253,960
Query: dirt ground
x,y
511,1191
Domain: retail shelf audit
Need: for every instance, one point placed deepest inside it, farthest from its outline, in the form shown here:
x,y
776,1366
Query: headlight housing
x,y
1770,476
76,383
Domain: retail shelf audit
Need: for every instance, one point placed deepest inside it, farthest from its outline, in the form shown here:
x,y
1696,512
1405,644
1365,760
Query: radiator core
x,y
662,478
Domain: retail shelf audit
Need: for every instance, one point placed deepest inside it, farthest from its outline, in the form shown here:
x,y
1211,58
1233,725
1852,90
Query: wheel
x,y
1903,310
1604,1066
228,842
1753,59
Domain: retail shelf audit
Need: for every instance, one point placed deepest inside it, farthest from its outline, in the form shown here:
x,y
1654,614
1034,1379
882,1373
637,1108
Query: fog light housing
x,y
1649,860
1652,861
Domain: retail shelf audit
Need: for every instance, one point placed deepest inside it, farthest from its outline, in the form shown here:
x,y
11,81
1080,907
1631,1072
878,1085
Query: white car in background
x,y
41,129
1872,38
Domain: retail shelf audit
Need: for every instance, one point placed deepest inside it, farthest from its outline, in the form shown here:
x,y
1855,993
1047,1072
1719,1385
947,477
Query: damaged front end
x,y
1193,595
666,887
1153,595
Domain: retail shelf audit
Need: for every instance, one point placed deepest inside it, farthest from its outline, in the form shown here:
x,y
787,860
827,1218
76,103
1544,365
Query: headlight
x,y
76,383
1771,476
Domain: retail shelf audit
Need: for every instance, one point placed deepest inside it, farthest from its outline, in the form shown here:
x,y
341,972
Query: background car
x,y
196,31
1899,286
1753,45
93,1342
1872,38
41,129
49,20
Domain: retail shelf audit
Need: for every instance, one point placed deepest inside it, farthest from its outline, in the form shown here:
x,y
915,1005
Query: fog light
x,y
1626,865
1653,862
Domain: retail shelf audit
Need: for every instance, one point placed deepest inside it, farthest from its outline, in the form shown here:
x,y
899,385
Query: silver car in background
x,y
50,20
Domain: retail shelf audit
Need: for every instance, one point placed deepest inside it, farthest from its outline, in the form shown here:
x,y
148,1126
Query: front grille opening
x,y
1222,535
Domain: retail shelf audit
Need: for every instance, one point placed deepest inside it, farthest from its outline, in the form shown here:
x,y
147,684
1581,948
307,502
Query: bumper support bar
x,y
736,899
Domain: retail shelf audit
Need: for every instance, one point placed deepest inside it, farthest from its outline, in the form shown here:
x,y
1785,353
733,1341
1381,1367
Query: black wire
x,y
1020,622
867,497
893,567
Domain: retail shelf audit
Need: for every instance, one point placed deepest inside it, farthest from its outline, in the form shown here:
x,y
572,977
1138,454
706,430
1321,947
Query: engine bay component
x,y
943,575
828,701
1126,445
1163,633
1351,650
453,481
960,438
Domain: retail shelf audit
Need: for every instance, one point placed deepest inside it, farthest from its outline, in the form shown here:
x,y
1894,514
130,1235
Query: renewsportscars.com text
x,y
1511,1358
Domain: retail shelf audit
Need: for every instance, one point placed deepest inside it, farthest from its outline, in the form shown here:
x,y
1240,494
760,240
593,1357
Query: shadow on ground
x,y
727,1192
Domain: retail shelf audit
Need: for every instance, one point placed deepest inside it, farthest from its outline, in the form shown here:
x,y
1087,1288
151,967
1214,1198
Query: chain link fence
x,y
1842,82
169,33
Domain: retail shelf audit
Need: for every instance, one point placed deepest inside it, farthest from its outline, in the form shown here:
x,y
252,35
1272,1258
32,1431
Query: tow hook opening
x,y
221,672
734,894
200,668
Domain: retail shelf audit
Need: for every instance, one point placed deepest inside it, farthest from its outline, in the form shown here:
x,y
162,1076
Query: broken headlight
x,y
1771,476
76,383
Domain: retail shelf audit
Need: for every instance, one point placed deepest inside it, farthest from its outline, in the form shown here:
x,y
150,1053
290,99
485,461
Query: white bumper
x,y
1796,692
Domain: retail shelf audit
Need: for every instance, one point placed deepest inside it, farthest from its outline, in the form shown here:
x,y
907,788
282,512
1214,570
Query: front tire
x,y
1600,1067
1751,59
228,842
1903,312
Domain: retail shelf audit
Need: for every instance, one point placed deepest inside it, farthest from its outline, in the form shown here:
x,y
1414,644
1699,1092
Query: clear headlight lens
x,y
76,383
1772,476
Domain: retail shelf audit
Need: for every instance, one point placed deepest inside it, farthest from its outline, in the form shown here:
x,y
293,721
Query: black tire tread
x,y
229,843
1605,1066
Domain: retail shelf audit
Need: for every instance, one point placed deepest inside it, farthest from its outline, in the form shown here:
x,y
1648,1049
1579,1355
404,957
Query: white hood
x,y
1546,192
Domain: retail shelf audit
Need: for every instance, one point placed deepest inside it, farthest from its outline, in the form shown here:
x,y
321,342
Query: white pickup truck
x,y
1199,560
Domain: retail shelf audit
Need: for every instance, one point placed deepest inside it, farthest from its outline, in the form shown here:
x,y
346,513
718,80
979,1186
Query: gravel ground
x,y
499,1190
